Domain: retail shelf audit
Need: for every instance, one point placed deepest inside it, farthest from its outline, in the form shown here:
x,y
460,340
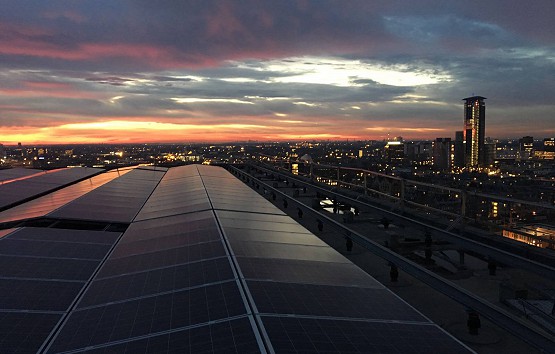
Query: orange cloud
x,y
134,131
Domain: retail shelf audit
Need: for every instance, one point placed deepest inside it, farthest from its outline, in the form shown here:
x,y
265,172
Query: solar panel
x,y
149,315
117,201
72,236
23,189
175,196
10,174
157,281
330,301
52,249
262,225
164,209
234,336
22,332
287,251
48,203
163,258
201,224
29,294
304,271
165,242
46,268
248,235
307,335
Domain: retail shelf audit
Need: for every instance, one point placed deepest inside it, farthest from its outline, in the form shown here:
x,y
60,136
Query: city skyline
x,y
218,71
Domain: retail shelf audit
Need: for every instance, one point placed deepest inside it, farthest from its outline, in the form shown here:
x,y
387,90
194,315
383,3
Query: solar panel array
x,y
207,265
39,184
169,281
308,298
42,272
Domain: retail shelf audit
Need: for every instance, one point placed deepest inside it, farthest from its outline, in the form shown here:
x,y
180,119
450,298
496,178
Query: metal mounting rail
x,y
499,255
500,317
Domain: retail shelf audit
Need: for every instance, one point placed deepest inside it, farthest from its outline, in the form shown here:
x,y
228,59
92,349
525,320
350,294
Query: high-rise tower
x,y
474,130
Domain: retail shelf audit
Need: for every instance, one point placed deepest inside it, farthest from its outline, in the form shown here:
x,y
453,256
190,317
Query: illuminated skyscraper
x,y
474,130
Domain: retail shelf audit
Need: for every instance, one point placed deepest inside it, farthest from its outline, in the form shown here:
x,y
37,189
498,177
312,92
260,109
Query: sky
x,y
130,71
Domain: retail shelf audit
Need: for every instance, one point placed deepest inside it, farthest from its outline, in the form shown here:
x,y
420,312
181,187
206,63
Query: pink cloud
x,y
151,55
8,30
47,85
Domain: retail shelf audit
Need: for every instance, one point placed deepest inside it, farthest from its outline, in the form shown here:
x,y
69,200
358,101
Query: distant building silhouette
x,y
395,152
549,144
489,155
474,130
526,147
442,154
458,157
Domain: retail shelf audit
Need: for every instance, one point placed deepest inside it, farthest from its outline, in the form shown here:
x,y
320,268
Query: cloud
x,y
338,67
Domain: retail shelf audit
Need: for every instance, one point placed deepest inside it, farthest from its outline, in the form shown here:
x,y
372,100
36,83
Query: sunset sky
x,y
105,71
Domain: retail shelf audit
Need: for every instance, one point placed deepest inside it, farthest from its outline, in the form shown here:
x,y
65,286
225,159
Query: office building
x,y
474,130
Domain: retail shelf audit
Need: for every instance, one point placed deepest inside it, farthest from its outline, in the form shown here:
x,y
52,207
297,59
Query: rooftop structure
x,y
188,259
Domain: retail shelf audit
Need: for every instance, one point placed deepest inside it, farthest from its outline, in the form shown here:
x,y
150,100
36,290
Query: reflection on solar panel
x,y
6,232
206,266
23,189
50,202
117,201
15,174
